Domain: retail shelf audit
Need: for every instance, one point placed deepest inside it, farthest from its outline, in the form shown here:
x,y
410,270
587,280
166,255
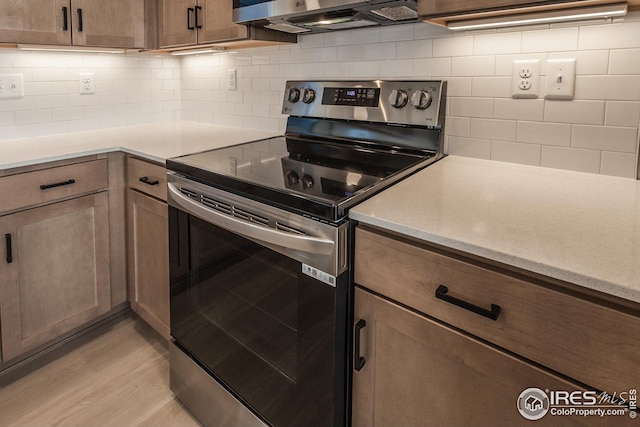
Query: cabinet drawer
x,y
48,185
591,342
147,177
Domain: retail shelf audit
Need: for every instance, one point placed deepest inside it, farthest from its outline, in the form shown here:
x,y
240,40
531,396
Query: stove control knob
x,y
294,94
307,182
292,178
421,99
308,96
398,98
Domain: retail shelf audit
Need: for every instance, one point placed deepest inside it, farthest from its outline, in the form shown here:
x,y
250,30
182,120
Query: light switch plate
x,y
561,79
11,86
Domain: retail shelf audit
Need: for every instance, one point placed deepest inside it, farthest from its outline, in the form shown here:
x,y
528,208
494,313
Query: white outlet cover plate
x,y
232,79
561,79
11,86
530,69
86,84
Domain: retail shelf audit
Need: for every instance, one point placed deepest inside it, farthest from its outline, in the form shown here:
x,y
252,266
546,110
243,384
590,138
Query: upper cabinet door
x,y
215,17
176,23
35,21
113,23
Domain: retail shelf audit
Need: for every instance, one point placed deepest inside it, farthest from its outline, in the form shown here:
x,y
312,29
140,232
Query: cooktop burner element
x,y
344,141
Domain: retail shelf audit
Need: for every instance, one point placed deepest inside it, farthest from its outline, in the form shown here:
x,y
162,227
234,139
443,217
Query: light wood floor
x,y
116,375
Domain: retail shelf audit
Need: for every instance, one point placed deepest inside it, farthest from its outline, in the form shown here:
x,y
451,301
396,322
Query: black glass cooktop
x,y
315,178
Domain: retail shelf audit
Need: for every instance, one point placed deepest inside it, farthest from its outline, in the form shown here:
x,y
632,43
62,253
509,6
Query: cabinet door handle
x,y
79,20
190,10
146,180
65,19
359,361
57,184
198,9
7,238
442,293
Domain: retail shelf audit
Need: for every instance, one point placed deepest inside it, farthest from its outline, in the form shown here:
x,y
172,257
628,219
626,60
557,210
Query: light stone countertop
x,y
577,227
157,142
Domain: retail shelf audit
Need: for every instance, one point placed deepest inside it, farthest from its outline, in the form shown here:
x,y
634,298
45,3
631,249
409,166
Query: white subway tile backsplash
x,y
518,109
497,43
619,88
496,87
551,40
512,152
571,159
605,138
504,130
453,46
612,36
596,132
469,147
624,61
544,133
471,107
582,112
622,113
473,66
618,164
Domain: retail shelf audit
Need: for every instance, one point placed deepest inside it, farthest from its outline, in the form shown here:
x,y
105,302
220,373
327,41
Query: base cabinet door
x,y
418,372
148,249
55,275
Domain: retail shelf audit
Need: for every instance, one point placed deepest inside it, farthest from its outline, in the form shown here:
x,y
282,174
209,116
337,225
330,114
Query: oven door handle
x,y
314,245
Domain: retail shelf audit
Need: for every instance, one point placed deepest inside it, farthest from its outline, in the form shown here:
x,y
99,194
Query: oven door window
x,y
254,321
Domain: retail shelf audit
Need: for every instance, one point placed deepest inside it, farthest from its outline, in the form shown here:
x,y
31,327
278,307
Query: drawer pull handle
x,y
146,180
198,24
57,184
441,293
7,238
359,361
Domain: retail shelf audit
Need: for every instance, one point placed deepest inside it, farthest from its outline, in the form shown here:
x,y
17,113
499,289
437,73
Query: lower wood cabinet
x,y
445,340
148,253
56,273
148,242
418,372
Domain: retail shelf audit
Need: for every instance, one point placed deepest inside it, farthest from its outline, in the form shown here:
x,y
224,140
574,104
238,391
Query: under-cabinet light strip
x,y
602,12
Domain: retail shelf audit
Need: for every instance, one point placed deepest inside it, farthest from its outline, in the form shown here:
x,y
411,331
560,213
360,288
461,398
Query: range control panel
x,y
416,102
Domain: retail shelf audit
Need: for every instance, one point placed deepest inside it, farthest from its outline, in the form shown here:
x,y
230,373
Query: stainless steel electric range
x,y
261,247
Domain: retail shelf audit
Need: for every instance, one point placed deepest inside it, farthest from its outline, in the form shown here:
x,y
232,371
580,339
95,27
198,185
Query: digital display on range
x,y
357,97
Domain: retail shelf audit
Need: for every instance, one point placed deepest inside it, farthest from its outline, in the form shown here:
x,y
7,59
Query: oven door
x,y
250,309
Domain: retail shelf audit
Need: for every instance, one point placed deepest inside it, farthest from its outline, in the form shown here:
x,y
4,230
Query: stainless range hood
x,y
308,16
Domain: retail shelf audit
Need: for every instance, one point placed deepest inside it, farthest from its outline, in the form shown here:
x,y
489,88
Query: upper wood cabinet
x,y
97,23
443,11
193,22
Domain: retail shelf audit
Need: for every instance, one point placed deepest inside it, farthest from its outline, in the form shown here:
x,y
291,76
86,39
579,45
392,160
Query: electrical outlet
x,y
525,78
86,84
11,86
232,79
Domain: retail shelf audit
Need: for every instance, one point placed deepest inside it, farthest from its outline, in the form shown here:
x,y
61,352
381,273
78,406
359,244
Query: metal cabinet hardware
x,y
79,20
7,238
146,180
359,361
57,184
65,19
441,293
